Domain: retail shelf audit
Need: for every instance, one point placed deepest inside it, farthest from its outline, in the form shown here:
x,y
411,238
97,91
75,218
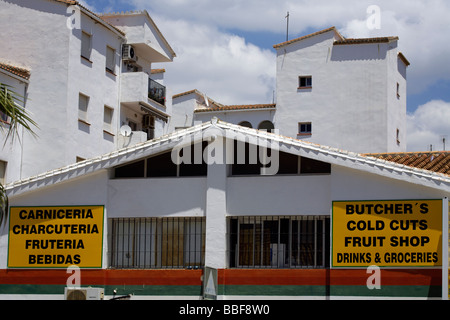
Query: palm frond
x,y
4,204
10,105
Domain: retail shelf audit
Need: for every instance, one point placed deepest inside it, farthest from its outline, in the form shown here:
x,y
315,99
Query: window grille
x,y
279,241
146,243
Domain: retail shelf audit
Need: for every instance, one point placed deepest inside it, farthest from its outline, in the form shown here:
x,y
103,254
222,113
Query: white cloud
x,y
219,64
428,125
421,25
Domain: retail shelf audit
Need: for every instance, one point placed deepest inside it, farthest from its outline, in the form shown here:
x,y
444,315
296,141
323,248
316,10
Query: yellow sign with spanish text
x,y
55,237
404,233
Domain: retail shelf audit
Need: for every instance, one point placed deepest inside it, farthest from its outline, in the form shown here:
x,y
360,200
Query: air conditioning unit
x,y
84,294
128,53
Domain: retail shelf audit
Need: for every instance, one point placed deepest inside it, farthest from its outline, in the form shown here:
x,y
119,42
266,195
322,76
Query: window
x,y
266,125
305,81
279,241
86,45
110,59
2,172
161,165
3,117
107,118
245,124
247,161
147,243
398,90
304,128
83,102
398,136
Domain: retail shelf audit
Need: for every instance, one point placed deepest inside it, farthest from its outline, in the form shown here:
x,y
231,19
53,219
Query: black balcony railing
x,y
156,92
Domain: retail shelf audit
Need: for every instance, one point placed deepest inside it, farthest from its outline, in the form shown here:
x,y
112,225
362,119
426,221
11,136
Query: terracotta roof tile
x,y
73,2
156,71
308,36
365,40
436,161
21,72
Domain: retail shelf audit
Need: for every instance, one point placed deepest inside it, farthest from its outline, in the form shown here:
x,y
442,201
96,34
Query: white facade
x,y
220,195
194,107
356,99
344,93
77,91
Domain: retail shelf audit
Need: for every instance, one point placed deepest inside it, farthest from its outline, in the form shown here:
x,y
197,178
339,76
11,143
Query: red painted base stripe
x,y
431,277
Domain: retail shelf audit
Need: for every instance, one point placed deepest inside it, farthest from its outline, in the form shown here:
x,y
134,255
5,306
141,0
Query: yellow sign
x,y
55,237
387,233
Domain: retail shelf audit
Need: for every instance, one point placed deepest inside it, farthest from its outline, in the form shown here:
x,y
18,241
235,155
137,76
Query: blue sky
x,y
224,49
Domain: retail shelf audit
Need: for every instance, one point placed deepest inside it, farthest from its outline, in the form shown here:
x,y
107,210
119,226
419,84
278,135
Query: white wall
x,y
350,96
156,197
38,38
101,86
255,117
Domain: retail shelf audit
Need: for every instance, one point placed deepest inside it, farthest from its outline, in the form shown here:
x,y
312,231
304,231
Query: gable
x,y
216,129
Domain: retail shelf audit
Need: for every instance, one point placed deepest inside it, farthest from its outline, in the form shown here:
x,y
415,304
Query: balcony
x,y
156,92
144,95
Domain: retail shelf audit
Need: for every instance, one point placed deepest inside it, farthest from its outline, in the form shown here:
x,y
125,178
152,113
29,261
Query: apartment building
x,y
331,90
89,76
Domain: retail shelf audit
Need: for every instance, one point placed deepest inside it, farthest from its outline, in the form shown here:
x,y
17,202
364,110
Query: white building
x,y
84,84
158,223
344,93
194,107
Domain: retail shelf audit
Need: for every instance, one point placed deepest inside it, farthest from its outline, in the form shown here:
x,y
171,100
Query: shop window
x,y
131,170
146,243
162,165
312,166
279,241
247,162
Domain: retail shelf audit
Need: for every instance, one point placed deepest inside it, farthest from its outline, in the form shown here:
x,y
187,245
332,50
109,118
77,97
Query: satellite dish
x,y
125,130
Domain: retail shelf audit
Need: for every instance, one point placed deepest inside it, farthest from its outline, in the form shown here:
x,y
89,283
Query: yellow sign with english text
x,y
403,233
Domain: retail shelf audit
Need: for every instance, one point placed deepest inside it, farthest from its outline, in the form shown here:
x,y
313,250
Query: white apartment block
x,y
344,93
89,76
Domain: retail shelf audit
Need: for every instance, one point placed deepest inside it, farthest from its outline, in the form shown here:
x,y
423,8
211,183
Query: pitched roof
x,y
20,72
437,161
237,107
167,142
92,14
145,13
309,36
199,95
365,40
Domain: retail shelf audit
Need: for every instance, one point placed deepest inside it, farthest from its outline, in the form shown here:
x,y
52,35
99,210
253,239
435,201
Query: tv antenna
x,y
444,139
287,26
